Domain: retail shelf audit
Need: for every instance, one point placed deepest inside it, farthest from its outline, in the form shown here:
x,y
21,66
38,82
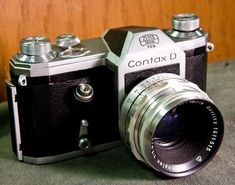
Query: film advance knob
x,y
67,40
185,22
35,46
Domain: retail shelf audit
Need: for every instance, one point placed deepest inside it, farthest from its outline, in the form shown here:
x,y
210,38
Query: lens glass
x,y
185,133
171,130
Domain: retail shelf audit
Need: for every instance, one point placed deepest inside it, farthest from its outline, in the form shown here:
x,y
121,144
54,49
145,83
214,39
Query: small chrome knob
x,y
84,123
67,40
84,143
35,46
185,22
84,92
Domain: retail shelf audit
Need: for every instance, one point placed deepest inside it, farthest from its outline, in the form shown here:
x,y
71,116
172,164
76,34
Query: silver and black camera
x,y
142,84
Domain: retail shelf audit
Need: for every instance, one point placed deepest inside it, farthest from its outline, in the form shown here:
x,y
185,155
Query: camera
x,y
141,85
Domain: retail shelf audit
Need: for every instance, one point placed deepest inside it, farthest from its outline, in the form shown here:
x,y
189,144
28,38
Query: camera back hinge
x,y
13,109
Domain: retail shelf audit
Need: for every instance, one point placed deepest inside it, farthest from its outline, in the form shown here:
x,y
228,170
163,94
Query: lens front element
x,y
171,125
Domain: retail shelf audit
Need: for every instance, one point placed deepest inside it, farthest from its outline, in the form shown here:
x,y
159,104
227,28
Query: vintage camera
x,y
143,83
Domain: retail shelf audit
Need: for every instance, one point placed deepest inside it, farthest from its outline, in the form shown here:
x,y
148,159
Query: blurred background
x,y
86,19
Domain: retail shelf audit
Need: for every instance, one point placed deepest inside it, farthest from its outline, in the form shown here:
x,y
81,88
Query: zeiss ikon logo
x,y
149,40
152,60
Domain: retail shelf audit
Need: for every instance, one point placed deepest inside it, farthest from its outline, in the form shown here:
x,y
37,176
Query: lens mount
x,y
171,125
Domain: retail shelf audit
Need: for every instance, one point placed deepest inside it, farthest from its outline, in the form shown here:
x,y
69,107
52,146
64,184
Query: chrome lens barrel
x,y
171,125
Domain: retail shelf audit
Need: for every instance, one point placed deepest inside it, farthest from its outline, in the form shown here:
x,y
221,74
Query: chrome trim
x,y
59,65
14,105
136,57
60,157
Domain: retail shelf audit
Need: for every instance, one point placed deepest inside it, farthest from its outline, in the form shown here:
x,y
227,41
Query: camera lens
x,y
171,125
179,141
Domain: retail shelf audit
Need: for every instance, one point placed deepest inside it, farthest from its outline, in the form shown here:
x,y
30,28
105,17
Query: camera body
x,y
65,99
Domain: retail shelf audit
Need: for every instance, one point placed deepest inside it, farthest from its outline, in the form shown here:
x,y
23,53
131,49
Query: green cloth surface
x,y
118,166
